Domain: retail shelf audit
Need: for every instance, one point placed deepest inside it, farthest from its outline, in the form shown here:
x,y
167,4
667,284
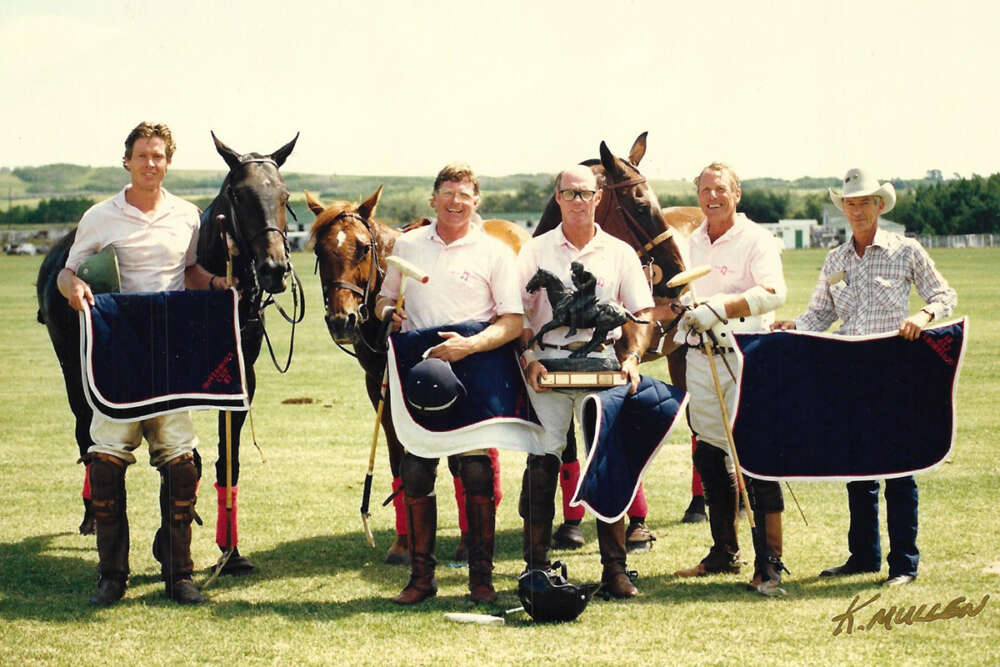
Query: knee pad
x,y
477,475
538,487
418,475
765,495
455,465
107,477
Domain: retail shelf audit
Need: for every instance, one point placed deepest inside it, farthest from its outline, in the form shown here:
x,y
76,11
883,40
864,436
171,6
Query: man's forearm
x,y
637,336
505,329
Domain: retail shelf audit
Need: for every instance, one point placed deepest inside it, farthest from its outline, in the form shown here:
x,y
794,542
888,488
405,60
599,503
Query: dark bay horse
x,y
246,223
251,201
351,246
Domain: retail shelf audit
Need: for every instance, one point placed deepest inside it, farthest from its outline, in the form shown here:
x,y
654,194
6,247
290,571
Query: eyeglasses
x,y
570,195
463,197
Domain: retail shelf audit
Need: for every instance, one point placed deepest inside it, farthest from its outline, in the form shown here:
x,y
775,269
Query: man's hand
x,y
630,371
454,348
533,373
76,290
703,317
912,326
783,325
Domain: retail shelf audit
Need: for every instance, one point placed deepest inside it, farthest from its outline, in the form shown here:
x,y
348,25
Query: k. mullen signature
x,y
957,608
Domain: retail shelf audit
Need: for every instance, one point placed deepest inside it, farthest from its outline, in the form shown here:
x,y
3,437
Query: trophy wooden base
x,y
582,379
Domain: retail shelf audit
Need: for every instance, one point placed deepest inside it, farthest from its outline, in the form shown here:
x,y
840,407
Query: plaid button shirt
x,y
871,294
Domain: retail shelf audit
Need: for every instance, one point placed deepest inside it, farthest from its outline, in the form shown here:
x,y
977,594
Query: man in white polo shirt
x,y
744,286
471,279
619,279
155,235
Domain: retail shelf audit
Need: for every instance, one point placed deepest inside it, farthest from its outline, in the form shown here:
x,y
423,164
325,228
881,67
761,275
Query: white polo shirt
x,y
613,262
746,255
471,278
153,250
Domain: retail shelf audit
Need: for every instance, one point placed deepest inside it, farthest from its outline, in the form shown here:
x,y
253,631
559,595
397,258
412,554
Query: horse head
x,y
630,210
351,247
546,279
255,220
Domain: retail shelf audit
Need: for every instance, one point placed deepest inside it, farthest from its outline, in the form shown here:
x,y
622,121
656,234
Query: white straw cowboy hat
x,y
859,183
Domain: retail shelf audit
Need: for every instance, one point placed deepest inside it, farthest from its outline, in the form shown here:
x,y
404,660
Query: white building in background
x,y
792,234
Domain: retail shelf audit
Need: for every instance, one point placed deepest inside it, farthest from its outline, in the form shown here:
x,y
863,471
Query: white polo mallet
x,y
406,270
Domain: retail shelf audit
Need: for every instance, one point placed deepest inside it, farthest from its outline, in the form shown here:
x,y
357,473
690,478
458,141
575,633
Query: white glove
x,y
702,318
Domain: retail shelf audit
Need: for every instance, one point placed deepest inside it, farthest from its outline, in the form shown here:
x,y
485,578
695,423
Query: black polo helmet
x,y
548,596
432,388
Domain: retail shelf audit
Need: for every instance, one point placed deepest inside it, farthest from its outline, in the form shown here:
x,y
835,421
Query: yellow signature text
x,y
847,622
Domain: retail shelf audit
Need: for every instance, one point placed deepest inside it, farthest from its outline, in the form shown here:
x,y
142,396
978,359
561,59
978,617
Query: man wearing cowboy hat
x,y
866,284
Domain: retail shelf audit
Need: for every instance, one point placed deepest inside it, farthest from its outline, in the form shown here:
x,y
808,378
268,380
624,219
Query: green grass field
x,y
320,595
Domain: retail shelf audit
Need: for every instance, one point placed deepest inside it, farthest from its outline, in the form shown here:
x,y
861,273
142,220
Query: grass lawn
x,y
320,595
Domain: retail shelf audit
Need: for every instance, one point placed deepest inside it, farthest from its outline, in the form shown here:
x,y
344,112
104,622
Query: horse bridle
x,y
245,246
375,272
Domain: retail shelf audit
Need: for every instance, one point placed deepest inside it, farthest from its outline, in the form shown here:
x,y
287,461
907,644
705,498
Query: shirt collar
x,y
166,203
740,222
599,239
475,231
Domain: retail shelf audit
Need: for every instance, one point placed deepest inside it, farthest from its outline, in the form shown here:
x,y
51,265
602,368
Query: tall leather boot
x,y
537,508
721,500
421,526
107,493
767,562
481,511
611,539
179,479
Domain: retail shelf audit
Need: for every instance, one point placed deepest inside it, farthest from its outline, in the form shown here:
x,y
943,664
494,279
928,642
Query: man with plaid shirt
x,y
866,284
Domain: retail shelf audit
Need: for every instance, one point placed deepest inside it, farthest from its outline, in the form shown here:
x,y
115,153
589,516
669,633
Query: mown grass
x,y
322,596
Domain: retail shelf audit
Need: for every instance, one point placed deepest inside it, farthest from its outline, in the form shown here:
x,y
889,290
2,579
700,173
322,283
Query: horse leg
x,y
226,531
595,340
399,550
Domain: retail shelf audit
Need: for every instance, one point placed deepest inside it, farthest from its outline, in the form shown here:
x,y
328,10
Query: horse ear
x,y
367,209
609,161
314,204
231,157
279,156
638,149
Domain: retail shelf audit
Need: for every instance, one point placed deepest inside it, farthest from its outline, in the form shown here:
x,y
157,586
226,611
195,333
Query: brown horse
x,y
351,246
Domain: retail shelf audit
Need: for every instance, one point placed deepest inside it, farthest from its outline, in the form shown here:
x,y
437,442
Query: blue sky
x,y
782,89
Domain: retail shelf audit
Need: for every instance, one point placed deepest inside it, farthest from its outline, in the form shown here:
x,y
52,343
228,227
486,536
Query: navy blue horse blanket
x,y
821,406
496,411
150,354
623,433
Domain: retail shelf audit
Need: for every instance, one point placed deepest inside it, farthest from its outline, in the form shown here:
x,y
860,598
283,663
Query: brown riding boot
x,y
421,526
614,578
767,561
107,492
481,513
179,479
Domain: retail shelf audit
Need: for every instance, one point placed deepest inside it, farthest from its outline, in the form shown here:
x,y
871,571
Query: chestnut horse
x,y
351,246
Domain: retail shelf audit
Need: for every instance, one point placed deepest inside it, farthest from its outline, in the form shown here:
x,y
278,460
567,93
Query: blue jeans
x,y
901,510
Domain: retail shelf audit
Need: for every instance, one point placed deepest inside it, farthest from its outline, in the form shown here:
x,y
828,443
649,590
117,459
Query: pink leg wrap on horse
x,y
696,489
463,520
397,504
495,462
85,493
220,521
569,477
638,509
